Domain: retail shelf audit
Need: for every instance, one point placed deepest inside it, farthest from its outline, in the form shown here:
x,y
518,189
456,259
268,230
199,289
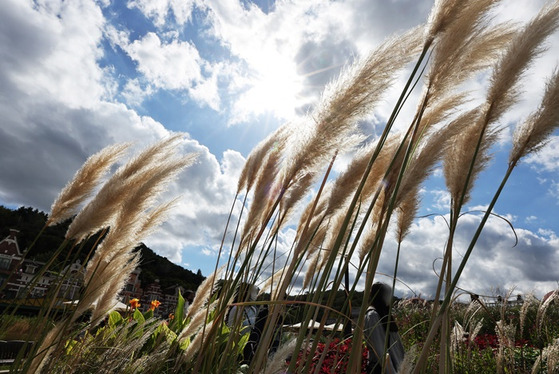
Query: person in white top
x,y
381,333
245,314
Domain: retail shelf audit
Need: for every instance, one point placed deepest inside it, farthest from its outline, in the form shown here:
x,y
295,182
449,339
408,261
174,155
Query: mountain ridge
x,y
30,221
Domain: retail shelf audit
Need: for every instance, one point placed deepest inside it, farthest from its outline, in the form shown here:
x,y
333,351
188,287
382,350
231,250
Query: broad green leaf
x,y
139,317
148,314
115,319
178,321
184,344
164,329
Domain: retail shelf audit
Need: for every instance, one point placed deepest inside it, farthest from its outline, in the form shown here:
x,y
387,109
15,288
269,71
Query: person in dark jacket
x,y
381,333
256,334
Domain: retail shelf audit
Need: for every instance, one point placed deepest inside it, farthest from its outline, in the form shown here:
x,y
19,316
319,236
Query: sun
x,y
275,87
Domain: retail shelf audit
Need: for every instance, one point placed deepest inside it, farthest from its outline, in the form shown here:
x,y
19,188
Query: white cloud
x,y
207,190
160,11
531,219
231,165
51,126
206,91
295,49
547,158
59,41
115,36
207,252
441,200
134,92
495,261
547,233
174,65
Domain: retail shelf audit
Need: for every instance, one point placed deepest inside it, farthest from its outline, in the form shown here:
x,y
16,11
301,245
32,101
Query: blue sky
x,y
77,76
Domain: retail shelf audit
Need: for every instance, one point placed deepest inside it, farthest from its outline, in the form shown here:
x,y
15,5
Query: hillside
x,y
30,221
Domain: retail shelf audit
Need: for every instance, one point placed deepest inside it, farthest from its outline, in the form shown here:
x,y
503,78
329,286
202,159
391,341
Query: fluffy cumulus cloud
x,y
284,54
503,260
497,261
56,114
206,190
162,11
441,200
174,65
51,49
546,163
546,158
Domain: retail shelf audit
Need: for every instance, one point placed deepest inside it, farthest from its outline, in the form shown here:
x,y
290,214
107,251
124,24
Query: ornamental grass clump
x,y
125,209
333,224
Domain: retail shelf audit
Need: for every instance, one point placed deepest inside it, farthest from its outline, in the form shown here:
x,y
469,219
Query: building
x,y
72,281
10,260
23,278
18,273
133,287
151,293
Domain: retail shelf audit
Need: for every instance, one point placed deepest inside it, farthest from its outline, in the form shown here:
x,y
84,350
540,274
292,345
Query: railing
x,y
10,349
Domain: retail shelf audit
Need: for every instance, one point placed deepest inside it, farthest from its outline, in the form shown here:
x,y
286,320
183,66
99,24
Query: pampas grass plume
x,y
525,47
196,343
204,292
197,321
407,211
101,211
277,362
117,282
84,182
350,99
542,310
272,143
442,14
532,135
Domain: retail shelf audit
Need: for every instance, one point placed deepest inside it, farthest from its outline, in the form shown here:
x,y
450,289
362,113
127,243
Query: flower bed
x,y
332,358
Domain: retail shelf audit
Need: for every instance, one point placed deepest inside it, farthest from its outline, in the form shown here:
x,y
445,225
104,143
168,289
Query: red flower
x,y
335,359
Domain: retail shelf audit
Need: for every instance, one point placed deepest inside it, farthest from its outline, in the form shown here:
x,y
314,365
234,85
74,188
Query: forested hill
x,y
30,221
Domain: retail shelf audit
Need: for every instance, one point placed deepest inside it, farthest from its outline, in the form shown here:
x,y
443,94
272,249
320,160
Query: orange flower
x,y
171,316
154,304
134,303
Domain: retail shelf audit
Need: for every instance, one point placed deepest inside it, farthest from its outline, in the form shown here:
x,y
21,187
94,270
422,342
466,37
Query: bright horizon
x,y
78,76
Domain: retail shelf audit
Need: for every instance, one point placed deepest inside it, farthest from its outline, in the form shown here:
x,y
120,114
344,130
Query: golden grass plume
x,y
84,182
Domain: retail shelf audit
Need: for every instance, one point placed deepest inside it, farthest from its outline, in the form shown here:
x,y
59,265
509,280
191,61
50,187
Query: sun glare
x,y
276,88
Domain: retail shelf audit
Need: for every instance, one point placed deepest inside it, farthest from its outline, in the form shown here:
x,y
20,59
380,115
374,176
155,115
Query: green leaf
x,y
178,321
184,344
139,317
115,319
148,314
70,346
241,344
169,335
